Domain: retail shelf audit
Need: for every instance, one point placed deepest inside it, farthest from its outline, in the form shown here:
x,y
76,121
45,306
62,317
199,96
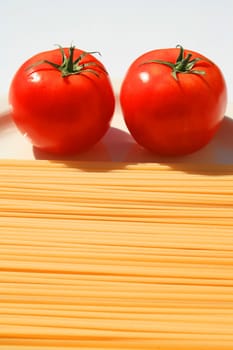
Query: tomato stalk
x,y
183,64
69,66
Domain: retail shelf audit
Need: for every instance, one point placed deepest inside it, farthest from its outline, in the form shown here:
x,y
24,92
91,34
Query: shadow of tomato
x,y
6,121
109,150
218,151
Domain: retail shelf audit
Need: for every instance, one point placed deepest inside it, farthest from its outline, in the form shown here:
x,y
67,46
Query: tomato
x,y
62,100
173,100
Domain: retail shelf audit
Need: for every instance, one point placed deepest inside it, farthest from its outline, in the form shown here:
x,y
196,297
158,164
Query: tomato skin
x,y
61,115
168,116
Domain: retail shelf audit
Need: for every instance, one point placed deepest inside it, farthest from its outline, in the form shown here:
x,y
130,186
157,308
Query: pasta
x,y
115,256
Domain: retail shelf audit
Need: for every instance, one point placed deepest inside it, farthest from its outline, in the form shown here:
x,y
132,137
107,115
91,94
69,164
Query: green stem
x,y
183,64
69,66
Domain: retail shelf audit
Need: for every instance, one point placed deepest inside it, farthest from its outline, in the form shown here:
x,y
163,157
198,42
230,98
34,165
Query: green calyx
x,y
69,66
185,65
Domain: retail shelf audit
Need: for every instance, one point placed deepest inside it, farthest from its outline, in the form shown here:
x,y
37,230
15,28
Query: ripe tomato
x,y
173,100
62,100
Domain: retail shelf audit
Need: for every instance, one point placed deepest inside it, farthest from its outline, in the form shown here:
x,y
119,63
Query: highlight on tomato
x,y
62,100
173,100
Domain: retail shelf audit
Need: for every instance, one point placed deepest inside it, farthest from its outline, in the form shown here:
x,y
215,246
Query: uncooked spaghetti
x,y
115,256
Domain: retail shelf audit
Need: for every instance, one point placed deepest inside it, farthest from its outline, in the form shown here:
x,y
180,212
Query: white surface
x,y
120,29
117,144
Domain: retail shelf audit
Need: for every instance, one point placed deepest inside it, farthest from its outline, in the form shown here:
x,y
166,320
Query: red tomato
x,y
173,100
62,100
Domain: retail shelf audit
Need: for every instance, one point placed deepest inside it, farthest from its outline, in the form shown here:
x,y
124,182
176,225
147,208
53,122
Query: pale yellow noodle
x,y
115,256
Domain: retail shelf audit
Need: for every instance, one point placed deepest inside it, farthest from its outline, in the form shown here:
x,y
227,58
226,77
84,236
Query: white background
x,y
121,30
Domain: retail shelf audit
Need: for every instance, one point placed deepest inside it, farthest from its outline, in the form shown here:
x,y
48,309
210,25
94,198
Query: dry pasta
x,y
115,256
